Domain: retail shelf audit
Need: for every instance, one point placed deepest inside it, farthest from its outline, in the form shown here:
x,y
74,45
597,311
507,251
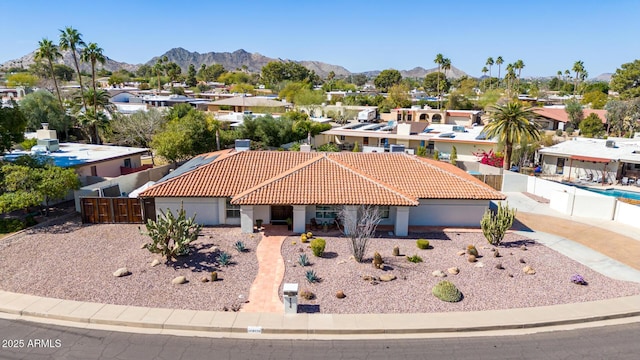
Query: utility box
x,y
290,298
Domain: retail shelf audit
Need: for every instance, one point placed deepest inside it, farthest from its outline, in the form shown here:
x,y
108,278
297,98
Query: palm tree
x,y
499,62
484,73
446,66
47,50
510,77
490,64
94,121
439,60
559,76
95,118
518,65
158,70
70,39
511,123
93,54
578,68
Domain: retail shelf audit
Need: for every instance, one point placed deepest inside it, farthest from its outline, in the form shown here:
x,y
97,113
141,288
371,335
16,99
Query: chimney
x,y
45,133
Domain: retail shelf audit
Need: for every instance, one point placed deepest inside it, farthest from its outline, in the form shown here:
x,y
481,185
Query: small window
x,y
409,117
233,211
343,138
399,117
127,163
365,141
94,171
383,211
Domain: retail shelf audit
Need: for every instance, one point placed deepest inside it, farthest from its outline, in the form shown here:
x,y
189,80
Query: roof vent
x,y
243,144
610,144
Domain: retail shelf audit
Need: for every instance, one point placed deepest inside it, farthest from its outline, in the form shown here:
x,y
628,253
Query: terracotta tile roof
x,y
276,177
559,114
324,181
421,177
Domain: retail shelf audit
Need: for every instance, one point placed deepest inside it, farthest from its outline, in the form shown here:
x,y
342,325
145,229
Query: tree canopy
x,y
387,78
591,126
275,72
12,126
185,135
626,80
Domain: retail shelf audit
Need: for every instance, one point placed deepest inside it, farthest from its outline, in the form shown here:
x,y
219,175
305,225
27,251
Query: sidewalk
x,y
584,241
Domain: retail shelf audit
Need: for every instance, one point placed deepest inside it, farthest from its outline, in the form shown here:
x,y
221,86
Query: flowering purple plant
x,y
577,279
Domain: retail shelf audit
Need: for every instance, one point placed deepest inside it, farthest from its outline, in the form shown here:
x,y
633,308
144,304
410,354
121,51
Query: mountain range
x,y
239,59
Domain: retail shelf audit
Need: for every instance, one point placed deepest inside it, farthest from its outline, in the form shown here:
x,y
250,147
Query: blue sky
x,y
360,35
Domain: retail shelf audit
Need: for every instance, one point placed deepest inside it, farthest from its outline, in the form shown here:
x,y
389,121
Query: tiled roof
x,y
276,177
560,114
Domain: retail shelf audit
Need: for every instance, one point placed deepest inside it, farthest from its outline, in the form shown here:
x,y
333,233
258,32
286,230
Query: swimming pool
x,y
58,160
615,192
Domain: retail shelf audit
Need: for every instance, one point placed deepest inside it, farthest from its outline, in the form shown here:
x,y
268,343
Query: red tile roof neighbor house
x,y
277,177
560,114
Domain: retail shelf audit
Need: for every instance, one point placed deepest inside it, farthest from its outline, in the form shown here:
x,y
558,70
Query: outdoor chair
x,y
624,181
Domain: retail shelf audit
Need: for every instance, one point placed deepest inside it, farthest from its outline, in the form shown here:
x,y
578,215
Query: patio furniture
x,y
624,181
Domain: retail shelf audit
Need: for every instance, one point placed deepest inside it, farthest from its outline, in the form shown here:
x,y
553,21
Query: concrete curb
x,y
262,325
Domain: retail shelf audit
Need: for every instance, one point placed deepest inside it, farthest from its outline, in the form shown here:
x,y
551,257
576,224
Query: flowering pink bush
x,y
490,158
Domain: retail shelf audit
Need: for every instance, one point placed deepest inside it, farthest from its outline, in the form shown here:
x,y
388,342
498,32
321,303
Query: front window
x,y
326,213
383,211
233,211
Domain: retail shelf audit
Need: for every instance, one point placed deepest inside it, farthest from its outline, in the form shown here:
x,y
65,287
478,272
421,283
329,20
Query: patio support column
x,y
351,212
246,218
299,219
401,227
222,211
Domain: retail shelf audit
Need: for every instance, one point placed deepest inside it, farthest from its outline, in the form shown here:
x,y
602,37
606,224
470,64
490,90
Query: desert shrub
x,y
11,225
471,250
414,259
311,276
303,260
307,295
495,224
422,244
224,258
446,291
239,245
559,132
171,235
317,246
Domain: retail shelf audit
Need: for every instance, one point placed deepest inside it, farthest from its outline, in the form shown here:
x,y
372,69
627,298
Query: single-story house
x,y
239,187
242,104
550,118
598,160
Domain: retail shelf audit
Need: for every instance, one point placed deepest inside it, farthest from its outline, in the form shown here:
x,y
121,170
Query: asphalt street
x,y
25,340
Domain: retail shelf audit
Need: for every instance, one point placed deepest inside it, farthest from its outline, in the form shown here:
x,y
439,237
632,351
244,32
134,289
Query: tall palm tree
x,y
71,39
578,68
95,117
499,62
47,50
446,66
158,70
559,76
511,123
518,65
439,60
484,73
489,63
510,77
93,54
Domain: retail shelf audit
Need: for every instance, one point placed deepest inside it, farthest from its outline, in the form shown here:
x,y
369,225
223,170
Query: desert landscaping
x,y
69,260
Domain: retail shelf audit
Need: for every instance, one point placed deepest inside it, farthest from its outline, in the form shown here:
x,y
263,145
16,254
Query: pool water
x,y
616,193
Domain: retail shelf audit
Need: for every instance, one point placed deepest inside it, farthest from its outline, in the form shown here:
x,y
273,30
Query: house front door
x,y
280,213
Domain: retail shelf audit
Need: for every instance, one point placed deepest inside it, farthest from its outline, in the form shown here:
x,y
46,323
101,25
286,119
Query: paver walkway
x,y
264,294
616,246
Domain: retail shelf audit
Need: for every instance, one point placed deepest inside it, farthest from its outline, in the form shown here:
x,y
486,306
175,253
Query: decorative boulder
x,y
204,279
155,262
121,272
387,277
340,294
471,258
528,270
453,271
461,252
479,264
438,273
179,280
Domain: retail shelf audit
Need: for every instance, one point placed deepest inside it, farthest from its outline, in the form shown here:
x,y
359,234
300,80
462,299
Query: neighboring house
x,y
550,118
238,187
248,104
92,162
410,135
166,101
435,116
596,160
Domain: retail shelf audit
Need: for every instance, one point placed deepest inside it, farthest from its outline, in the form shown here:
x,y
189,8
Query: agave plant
x,y
312,277
239,245
224,258
303,260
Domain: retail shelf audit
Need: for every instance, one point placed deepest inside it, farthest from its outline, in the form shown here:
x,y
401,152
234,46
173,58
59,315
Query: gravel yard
x,y
70,260
483,288
75,261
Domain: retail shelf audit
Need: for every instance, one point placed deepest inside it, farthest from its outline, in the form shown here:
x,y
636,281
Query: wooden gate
x,y
495,181
101,210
